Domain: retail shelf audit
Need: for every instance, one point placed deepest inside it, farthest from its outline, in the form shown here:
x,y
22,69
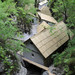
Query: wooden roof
x,y
45,10
42,26
47,18
47,42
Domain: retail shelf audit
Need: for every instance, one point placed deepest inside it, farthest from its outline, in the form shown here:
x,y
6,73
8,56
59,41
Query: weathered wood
x,y
48,41
45,10
38,65
47,18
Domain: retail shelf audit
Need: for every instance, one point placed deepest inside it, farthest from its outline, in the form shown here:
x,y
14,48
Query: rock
x,y
55,70
23,71
20,60
1,67
45,73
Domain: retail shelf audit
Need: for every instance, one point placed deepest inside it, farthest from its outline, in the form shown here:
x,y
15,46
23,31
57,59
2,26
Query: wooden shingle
x,y
45,10
47,18
42,26
47,42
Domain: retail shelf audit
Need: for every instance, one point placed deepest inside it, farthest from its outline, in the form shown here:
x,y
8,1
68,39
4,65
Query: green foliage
x,y
23,19
67,58
8,30
25,7
9,60
22,3
64,10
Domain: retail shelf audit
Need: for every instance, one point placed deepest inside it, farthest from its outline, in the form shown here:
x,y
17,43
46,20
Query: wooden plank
x,y
46,39
38,65
45,10
47,18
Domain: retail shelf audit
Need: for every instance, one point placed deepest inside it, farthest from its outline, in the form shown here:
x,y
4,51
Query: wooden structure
x,y
45,10
47,40
46,18
42,26
38,65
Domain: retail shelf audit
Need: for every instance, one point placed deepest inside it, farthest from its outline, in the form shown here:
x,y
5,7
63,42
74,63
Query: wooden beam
x,y
38,65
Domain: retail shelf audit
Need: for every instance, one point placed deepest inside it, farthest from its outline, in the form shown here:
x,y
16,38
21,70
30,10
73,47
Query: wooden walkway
x,y
38,65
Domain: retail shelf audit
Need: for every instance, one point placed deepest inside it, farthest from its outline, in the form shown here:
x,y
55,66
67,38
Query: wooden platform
x,y
38,65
